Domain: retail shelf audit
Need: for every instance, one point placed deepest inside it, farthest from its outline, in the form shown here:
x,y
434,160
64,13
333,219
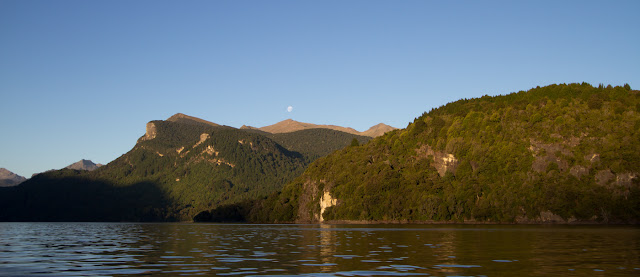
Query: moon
x,y
289,109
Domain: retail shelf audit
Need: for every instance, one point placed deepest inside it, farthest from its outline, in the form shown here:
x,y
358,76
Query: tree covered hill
x,y
316,143
181,166
560,153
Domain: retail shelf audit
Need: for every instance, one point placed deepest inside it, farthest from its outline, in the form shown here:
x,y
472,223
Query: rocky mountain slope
x,y
561,153
8,178
289,125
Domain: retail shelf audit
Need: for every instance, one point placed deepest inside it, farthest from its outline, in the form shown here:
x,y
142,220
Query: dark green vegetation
x,y
556,153
316,143
180,167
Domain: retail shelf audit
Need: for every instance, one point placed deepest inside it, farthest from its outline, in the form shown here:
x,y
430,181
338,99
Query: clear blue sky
x,y
80,79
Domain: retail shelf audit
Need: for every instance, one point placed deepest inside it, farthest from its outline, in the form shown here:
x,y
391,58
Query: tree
x,y
595,101
354,142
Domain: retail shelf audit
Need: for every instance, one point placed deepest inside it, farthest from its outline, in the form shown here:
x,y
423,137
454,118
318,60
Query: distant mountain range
x,y
83,164
290,125
8,178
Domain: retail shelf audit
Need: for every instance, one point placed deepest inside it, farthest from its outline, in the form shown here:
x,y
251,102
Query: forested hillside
x,y
316,143
560,153
181,166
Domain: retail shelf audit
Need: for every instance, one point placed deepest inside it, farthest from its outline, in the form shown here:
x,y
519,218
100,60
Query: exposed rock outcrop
x,y
442,162
203,138
326,201
150,133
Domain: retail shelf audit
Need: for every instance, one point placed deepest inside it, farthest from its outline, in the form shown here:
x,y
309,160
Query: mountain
x,y
377,130
179,167
560,153
84,165
183,118
8,178
289,125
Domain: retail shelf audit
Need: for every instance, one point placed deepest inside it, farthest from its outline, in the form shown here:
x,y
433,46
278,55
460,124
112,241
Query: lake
x,y
170,249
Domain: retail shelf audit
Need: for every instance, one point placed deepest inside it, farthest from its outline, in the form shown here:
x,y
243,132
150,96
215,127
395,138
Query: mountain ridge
x,y
183,118
290,125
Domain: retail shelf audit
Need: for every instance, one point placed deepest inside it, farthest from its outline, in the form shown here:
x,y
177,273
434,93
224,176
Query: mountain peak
x,y
9,179
378,130
183,118
84,165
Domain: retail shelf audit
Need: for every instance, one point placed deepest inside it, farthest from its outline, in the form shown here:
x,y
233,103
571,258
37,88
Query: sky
x,y
80,79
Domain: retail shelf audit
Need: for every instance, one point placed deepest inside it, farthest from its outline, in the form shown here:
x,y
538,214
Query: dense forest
x,y
560,153
180,167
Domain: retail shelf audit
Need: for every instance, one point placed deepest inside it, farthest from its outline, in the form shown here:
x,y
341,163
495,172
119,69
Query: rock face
x,y
9,179
325,202
442,162
289,125
84,165
150,133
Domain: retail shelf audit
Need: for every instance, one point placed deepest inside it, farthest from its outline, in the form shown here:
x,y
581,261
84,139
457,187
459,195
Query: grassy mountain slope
x,y
289,125
560,153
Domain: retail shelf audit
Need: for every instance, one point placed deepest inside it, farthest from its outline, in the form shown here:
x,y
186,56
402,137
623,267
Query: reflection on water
x,y
83,249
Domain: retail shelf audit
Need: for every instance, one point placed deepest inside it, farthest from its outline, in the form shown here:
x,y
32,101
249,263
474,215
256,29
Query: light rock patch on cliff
x,y
211,151
151,132
203,138
326,201
442,162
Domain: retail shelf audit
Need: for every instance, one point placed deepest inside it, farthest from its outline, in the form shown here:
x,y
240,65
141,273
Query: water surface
x,y
111,249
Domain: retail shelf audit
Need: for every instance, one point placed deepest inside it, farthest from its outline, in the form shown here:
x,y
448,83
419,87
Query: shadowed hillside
x,y
69,195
